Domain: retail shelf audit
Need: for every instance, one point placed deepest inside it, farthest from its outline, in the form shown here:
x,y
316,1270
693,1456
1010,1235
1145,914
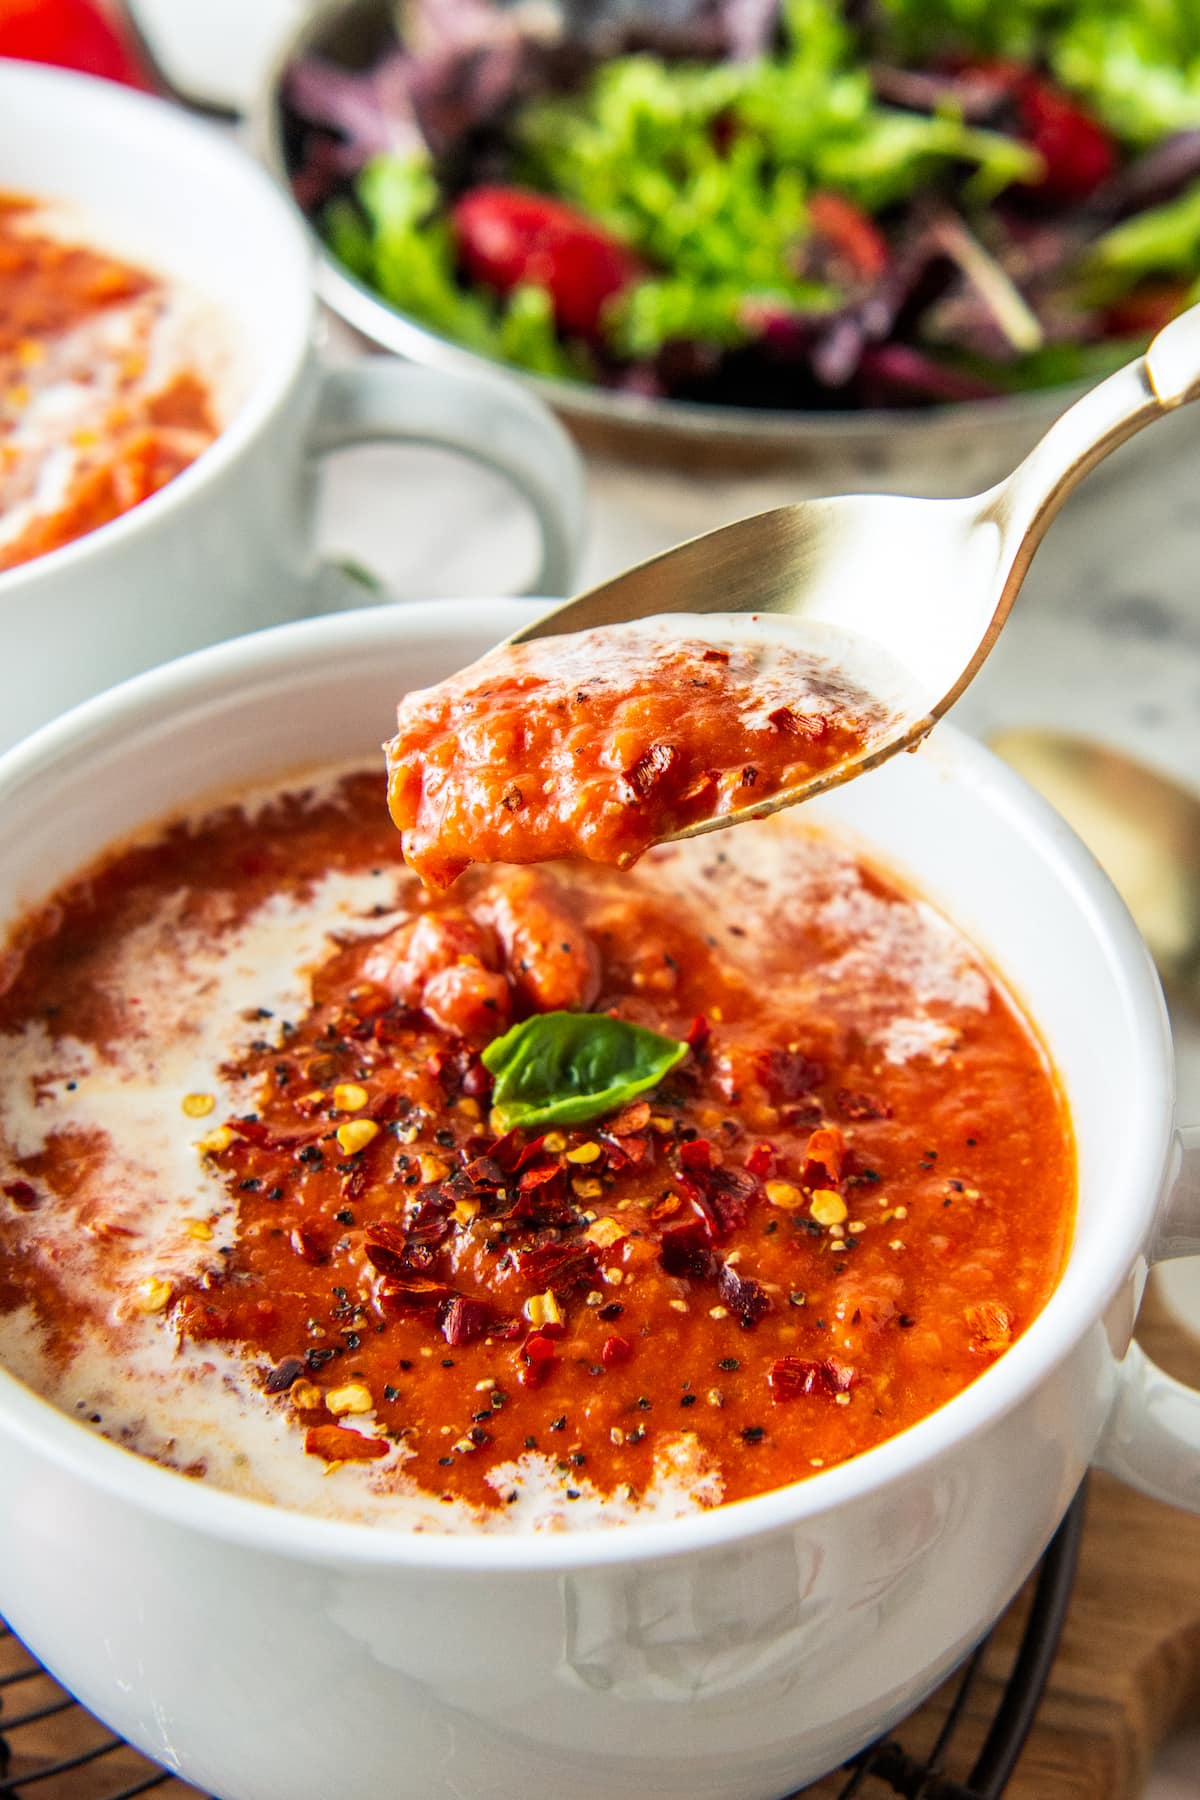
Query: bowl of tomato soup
x,y
162,402
641,1324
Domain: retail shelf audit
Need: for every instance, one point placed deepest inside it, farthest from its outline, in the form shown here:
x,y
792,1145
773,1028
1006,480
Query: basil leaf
x,y
564,1068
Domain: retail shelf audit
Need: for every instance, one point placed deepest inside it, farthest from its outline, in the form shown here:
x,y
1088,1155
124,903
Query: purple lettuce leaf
x,y
1153,178
465,61
737,29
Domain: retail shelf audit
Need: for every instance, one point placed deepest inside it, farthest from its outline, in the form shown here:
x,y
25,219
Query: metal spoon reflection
x,y
1142,827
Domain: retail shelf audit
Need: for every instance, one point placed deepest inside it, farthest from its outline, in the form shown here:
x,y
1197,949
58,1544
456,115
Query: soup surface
x,y
600,743
260,1218
102,401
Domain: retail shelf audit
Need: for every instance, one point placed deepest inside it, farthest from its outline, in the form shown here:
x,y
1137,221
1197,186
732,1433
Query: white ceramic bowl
x,y
227,546
270,1656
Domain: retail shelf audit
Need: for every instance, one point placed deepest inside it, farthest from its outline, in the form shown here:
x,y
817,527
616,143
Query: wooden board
x,y
1127,1673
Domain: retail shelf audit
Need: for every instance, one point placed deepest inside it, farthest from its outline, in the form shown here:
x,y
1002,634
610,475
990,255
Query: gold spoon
x,y
923,586
1142,827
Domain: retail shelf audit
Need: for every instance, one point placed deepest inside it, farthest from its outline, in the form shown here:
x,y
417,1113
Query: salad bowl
x,y
736,1652
952,442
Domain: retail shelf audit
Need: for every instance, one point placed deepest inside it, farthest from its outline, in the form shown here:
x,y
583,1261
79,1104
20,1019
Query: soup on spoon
x,y
600,743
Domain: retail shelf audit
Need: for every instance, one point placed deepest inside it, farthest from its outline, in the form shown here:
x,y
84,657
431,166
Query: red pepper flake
x,y
703,790
311,1241
512,799
720,656
628,1150
991,1326
538,1174
651,769
537,1353
23,1196
747,1298
761,1160
722,1195
805,1116
615,1160
505,1150
792,1376
699,1033
556,1265
386,1247
544,1206
695,1155
787,1074
485,1171
632,1119
528,1154
477,1083
861,1106
284,1374
615,1350
824,1158
813,726
400,1294
266,1137
685,1251
465,1320
333,1443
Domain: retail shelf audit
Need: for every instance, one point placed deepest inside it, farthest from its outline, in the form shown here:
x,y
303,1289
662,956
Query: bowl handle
x,y
485,418
1152,1438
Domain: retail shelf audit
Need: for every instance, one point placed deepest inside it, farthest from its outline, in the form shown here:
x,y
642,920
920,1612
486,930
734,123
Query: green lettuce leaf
x,y
706,170
924,30
1139,69
1163,241
564,1068
398,240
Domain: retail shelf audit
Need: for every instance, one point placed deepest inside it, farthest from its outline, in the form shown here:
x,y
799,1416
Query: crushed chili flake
x,y
651,769
861,1106
615,1350
284,1375
791,1376
336,1443
747,1299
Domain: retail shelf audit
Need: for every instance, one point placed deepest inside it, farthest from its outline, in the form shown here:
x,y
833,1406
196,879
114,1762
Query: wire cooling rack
x,y
52,1749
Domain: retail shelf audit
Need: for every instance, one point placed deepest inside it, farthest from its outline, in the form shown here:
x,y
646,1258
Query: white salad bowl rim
x,y
1074,1305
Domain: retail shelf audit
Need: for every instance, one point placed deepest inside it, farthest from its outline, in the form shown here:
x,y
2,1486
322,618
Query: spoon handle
x,y
1173,360
1166,377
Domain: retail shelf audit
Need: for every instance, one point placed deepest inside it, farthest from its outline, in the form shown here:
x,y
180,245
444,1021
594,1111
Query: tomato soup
x,y
601,743
102,398
572,1198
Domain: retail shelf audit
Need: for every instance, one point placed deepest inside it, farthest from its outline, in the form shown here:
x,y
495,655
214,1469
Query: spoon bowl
x,y
922,587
